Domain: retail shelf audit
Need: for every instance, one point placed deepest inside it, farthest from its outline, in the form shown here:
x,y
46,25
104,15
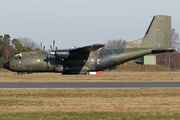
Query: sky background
x,y
82,22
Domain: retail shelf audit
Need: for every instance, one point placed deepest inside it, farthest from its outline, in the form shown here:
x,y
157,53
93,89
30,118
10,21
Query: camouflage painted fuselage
x,y
92,61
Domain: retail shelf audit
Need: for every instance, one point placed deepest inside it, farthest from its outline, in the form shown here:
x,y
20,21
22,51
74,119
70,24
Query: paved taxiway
x,y
90,85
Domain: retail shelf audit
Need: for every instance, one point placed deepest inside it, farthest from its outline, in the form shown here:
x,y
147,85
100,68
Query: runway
x,y
90,85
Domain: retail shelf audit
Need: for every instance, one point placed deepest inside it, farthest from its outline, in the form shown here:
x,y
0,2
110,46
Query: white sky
x,y
82,22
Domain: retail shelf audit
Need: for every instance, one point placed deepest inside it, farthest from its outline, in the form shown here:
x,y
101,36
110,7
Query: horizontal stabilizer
x,y
161,51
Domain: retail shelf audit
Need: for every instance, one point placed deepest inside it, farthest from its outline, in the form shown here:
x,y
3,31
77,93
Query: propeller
x,y
52,48
43,49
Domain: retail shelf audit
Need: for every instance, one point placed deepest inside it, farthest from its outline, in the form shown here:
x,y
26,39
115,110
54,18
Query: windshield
x,y
18,56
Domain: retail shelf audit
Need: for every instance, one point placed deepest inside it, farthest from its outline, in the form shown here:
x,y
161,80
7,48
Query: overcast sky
x,y
82,22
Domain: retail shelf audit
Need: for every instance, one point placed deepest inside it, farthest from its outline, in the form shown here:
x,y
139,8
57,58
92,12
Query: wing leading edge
x,y
77,51
86,49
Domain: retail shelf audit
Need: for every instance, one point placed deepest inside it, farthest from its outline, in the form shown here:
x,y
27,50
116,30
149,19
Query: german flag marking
x,y
157,28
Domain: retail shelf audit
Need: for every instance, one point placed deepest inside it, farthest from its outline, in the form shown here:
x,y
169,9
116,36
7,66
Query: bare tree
x,y
28,43
7,51
175,40
171,60
115,43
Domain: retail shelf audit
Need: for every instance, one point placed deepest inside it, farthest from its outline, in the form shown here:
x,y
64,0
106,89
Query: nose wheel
x,y
20,73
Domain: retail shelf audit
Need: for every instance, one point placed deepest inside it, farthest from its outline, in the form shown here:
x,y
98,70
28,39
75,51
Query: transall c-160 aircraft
x,y
84,60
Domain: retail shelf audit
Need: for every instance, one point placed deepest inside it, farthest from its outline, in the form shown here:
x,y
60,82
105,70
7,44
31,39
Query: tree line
x,y
9,48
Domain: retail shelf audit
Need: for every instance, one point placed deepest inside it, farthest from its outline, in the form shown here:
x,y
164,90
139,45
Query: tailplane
x,y
157,36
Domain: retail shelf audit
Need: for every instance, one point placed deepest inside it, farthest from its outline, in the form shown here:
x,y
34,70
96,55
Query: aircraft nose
x,y
6,65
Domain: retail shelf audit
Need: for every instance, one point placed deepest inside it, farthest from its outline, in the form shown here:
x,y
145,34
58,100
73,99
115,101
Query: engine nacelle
x,y
59,68
62,54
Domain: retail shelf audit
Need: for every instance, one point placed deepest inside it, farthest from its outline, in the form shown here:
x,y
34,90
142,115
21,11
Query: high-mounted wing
x,y
86,49
77,51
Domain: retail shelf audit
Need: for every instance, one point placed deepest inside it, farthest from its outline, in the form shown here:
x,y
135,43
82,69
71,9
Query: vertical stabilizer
x,y
158,34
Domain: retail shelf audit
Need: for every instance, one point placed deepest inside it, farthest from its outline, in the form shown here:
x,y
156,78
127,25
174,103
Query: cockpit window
x,y
18,56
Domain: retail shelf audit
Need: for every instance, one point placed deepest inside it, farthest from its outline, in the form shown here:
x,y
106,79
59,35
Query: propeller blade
x,y
51,47
53,44
41,45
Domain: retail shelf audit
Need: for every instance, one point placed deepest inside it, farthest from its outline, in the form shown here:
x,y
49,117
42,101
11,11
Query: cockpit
x,y
18,56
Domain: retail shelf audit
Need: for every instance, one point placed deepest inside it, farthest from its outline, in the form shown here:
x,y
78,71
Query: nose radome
x,y
6,65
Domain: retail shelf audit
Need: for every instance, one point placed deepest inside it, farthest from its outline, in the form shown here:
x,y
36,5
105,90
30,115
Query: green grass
x,y
95,104
90,116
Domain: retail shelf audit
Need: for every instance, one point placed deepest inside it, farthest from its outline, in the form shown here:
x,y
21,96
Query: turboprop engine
x,y
62,54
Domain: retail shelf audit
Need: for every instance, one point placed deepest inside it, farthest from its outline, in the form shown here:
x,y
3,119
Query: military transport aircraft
x,y
86,59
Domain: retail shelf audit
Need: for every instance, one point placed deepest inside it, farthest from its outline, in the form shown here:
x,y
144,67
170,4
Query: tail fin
x,y
158,34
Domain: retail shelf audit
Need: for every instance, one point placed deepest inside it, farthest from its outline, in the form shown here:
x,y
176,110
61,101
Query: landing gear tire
x,y
19,73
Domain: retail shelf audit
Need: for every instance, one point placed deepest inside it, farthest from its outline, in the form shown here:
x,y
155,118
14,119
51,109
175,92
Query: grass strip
x,y
90,116
90,104
106,77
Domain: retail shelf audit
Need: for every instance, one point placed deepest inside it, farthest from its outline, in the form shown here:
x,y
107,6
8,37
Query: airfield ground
x,y
90,103
106,77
